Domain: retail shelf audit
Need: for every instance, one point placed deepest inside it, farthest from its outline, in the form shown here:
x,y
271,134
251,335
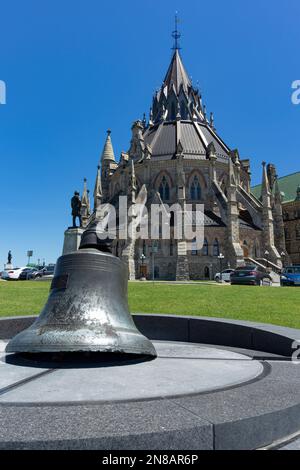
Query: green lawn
x,y
280,306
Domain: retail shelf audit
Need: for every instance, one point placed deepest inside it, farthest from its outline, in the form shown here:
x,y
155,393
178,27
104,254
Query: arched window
x,y
164,189
205,247
216,248
195,189
206,272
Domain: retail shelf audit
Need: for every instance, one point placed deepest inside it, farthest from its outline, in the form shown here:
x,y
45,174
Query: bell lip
x,y
148,351
35,343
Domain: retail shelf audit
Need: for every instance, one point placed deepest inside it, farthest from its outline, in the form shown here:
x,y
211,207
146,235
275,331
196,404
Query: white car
x,y
12,273
225,275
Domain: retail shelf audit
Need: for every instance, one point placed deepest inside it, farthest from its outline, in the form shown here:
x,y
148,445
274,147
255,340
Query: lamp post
x,y
142,258
211,272
154,250
267,257
221,257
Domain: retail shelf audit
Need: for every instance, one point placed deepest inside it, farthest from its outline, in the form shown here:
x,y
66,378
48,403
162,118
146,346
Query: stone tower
x,y
177,157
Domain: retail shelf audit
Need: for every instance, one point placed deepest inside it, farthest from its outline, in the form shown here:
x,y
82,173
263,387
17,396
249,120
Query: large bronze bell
x,y
87,309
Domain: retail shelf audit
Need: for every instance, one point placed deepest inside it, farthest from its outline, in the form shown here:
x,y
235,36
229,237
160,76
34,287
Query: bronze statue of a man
x,y
76,208
9,257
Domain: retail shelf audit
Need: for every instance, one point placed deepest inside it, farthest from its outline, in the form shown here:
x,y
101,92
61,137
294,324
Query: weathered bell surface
x,y
87,309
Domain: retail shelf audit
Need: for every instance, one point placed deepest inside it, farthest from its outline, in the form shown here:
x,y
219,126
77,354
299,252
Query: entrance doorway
x,y
206,273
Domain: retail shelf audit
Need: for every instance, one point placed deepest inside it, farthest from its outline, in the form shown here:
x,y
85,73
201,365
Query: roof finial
x,y
176,34
211,121
144,121
151,117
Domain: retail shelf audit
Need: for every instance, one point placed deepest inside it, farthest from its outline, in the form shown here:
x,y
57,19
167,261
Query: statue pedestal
x,y
72,239
8,266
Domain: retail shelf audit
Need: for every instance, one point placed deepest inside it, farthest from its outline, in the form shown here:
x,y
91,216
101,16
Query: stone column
x,y
182,265
234,252
268,221
72,238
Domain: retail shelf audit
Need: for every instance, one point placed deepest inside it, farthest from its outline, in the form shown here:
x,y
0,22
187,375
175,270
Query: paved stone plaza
x,y
216,384
200,368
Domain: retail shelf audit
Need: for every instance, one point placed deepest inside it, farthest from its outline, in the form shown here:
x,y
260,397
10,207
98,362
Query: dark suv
x,y
251,275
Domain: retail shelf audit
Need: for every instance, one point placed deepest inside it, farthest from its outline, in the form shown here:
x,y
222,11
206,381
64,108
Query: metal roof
x,y
176,74
194,143
287,184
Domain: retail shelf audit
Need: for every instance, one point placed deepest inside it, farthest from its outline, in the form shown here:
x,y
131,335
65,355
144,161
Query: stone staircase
x,y
272,268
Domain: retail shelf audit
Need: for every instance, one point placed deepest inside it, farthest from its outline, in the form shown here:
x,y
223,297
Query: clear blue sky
x,y
74,68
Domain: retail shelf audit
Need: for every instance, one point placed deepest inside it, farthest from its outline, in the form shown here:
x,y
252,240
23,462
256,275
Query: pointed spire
x,y
232,178
200,101
97,190
89,203
84,198
211,121
108,151
144,121
176,75
151,117
265,188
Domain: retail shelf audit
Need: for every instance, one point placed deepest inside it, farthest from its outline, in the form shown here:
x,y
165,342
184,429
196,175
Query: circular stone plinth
x,y
180,369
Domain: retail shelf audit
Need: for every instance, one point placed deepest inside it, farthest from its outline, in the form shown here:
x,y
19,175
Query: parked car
x,y
225,275
48,270
290,276
30,273
12,274
251,275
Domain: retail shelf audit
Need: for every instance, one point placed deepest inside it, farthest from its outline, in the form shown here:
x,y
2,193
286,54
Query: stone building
x,y
177,156
289,188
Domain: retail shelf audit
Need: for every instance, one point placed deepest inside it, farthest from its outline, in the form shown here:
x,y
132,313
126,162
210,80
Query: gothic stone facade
x,y
291,217
178,157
